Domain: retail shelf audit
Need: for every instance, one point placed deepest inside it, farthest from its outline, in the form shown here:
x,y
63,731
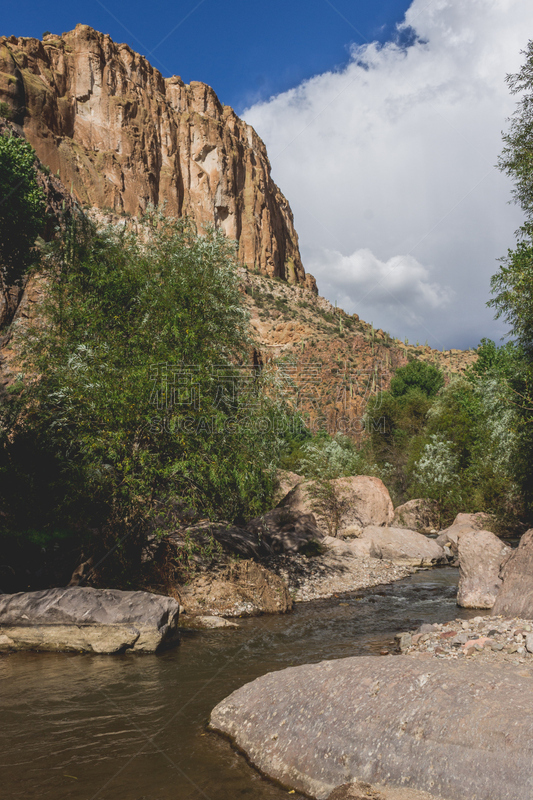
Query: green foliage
x,y
513,290
141,400
512,286
21,208
516,159
417,375
5,110
325,457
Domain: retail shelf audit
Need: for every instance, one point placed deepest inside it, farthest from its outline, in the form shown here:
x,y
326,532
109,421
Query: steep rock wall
x,y
121,136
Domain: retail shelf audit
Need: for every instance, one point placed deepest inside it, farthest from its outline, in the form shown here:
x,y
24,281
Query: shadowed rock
x,y
284,531
515,598
417,515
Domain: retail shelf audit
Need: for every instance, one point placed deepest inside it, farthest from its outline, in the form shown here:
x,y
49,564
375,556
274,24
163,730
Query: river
x,y
84,727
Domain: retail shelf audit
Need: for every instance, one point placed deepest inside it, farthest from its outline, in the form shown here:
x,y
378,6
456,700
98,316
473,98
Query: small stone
x,y
529,642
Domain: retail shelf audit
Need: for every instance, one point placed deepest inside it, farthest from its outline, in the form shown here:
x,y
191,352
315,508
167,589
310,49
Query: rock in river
x,y
88,620
515,598
456,730
481,554
402,546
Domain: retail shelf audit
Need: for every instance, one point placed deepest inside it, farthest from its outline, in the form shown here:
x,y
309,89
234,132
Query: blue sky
x,y
245,50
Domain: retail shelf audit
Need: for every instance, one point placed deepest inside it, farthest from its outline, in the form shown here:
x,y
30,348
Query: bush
x,y
417,375
145,404
5,110
21,210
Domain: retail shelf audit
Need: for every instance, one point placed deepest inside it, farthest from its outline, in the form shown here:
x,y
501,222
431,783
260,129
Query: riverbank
x,y
246,588
99,711
325,576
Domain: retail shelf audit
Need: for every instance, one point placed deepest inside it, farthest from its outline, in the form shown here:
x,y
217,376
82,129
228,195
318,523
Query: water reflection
x,y
133,727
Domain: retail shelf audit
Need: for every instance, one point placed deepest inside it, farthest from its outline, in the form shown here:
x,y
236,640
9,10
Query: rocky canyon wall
x,y
121,136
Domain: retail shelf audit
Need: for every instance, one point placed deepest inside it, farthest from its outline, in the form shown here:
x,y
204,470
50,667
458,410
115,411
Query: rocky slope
x,y
122,137
330,362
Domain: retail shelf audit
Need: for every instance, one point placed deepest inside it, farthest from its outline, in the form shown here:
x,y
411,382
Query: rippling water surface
x,y
133,727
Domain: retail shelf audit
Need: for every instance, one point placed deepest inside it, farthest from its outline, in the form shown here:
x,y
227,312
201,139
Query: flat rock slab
x,y
456,731
402,546
88,620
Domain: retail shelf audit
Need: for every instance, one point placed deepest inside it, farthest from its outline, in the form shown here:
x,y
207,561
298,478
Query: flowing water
x,y
133,727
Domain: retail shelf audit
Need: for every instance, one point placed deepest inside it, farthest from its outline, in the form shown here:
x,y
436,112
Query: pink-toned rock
x,y
515,598
458,731
463,523
343,504
481,555
402,546
417,515
122,137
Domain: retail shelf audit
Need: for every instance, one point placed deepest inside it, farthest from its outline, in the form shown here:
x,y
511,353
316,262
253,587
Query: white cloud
x,y
389,168
400,289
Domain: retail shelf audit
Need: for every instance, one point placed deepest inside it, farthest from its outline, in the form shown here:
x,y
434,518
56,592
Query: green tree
x,y
144,405
512,286
516,159
417,375
21,208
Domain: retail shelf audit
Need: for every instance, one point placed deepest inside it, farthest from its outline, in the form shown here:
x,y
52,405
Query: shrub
x,y
143,401
21,209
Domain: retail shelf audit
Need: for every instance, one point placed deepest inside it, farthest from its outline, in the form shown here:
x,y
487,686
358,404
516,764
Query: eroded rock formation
x,y
122,137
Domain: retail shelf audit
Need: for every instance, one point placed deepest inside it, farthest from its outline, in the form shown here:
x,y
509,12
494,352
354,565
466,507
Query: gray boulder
x,y
481,555
402,546
515,598
456,730
87,620
283,530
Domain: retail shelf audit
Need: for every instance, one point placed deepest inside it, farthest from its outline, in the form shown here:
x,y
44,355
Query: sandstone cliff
x,y
121,136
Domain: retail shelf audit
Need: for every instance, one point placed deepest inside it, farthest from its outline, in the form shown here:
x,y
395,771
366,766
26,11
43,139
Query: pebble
x,y
491,639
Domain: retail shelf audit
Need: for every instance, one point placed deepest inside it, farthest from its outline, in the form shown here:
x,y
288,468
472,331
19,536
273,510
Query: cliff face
x,y
122,136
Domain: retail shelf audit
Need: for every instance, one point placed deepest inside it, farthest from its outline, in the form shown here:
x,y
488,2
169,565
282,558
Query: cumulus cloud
x,y
389,167
400,289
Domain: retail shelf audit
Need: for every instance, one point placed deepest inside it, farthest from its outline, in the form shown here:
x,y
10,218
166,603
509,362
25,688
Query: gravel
x,y
324,576
483,639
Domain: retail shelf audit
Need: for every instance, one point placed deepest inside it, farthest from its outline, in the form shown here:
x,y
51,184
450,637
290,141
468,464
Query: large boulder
x,y
481,555
457,730
417,515
88,620
283,530
463,523
515,598
344,505
402,546
232,539
241,589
